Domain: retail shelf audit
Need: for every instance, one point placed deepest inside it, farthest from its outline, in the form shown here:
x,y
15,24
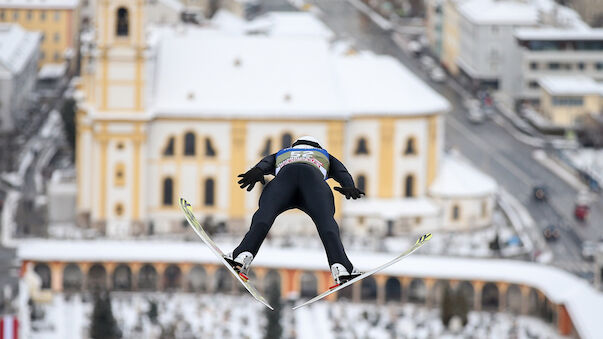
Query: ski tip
x,y
423,238
184,203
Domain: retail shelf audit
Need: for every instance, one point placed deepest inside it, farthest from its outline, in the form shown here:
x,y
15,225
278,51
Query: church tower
x,y
110,120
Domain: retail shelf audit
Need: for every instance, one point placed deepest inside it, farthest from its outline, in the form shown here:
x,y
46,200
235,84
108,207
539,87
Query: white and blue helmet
x,y
307,141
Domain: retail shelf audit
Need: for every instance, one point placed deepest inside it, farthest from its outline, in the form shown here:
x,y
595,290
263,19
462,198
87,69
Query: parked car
x,y
589,249
437,74
540,193
551,233
427,62
415,47
476,115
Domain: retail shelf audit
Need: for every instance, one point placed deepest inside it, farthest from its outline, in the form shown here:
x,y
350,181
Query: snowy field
x,y
227,316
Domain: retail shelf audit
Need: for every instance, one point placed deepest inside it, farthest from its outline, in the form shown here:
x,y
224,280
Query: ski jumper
x,y
300,182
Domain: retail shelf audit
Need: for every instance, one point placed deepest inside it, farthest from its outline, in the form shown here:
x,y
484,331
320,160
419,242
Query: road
x,y
490,146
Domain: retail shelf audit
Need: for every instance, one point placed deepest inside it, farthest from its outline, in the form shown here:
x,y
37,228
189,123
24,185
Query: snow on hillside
x,y
231,316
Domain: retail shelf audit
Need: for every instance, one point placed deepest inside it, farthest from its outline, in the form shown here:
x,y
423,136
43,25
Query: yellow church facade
x,y
169,112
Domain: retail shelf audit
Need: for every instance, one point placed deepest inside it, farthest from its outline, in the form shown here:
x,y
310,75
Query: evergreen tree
x,y
461,307
153,311
273,325
447,306
103,324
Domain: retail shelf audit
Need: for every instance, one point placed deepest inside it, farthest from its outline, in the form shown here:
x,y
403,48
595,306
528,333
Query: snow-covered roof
x,y
296,24
40,4
562,34
16,46
458,178
256,76
390,208
379,84
291,24
173,4
581,300
52,71
570,85
503,12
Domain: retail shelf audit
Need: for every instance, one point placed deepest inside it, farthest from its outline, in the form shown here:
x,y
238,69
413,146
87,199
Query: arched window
x,y
456,212
361,182
361,147
267,148
209,148
72,278
490,297
169,148
209,196
172,278
168,192
393,290
189,143
122,22
286,140
409,186
368,289
97,278
122,278
197,279
309,285
417,291
147,278
411,146
272,281
43,271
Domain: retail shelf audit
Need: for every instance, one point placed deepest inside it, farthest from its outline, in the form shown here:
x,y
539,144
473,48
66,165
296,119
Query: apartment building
x,y
57,20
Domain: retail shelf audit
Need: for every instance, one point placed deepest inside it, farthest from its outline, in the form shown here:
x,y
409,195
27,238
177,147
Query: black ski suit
x,y
301,186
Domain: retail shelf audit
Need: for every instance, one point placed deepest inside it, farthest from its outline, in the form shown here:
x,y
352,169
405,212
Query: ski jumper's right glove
x,y
250,177
349,192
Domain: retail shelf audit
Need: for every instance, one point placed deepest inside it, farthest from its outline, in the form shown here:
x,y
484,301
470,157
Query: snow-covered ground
x,y
232,316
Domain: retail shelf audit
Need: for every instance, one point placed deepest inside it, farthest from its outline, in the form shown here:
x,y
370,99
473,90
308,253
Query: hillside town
x,y
477,121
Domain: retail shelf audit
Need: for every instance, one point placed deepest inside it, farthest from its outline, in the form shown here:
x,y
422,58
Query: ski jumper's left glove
x,y
250,177
350,192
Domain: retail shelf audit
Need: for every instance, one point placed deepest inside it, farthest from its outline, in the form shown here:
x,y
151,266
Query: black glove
x,y
251,177
349,192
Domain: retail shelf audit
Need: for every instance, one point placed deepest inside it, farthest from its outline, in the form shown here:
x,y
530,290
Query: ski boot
x,y
241,263
341,275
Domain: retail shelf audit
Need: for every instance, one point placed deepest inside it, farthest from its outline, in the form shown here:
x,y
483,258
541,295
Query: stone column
x,y
135,270
477,297
525,302
56,276
85,267
160,268
405,284
429,297
380,280
356,293
502,295
211,269
110,269
185,269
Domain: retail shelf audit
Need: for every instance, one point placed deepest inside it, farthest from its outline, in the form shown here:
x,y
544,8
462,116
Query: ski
x,y
420,242
244,280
